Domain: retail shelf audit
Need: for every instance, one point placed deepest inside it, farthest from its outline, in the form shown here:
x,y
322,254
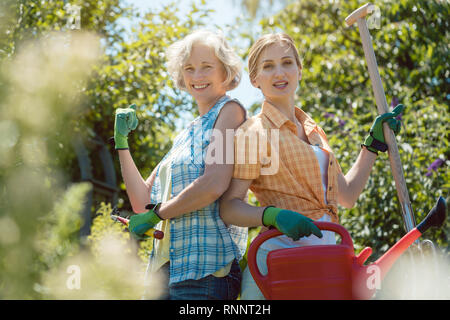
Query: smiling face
x,y
278,73
204,75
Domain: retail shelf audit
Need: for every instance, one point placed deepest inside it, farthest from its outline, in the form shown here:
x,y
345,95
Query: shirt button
x,y
329,188
331,163
171,250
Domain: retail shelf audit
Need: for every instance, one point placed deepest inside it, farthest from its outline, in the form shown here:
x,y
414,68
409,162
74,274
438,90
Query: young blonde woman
x,y
199,253
307,184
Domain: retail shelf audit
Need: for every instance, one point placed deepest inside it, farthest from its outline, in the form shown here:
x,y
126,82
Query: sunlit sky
x,y
225,13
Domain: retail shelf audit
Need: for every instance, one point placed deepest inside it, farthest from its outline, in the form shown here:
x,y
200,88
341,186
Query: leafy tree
x,y
132,70
56,82
39,98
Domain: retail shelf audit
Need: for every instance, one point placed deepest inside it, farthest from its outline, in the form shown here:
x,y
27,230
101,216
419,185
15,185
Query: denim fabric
x,y
200,242
207,288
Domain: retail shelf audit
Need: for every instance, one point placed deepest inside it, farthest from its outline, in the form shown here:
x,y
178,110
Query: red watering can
x,y
325,272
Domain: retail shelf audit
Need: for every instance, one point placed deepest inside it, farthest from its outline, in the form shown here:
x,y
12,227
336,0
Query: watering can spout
x,y
435,218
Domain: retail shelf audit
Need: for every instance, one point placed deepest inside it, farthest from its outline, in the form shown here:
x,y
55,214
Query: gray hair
x,y
180,51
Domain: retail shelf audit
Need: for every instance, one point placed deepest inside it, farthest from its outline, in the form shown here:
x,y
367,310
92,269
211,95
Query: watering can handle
x,y
260,279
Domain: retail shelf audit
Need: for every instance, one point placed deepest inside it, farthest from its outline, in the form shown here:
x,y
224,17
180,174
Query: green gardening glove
x,y
291,223
140,223
125,121
375,140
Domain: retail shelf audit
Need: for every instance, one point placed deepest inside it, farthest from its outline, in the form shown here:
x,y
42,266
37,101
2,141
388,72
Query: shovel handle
x,y
436,216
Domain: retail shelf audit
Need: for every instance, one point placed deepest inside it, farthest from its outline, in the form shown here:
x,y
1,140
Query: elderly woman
x,y
199,254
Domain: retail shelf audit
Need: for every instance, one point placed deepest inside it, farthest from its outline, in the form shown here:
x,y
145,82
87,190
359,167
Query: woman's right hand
x,y
139,224
125,121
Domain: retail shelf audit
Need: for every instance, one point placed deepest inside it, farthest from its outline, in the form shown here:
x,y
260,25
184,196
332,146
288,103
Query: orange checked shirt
x,y
284,169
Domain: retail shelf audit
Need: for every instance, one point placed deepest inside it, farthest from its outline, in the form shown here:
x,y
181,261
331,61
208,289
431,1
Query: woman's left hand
x,y
375,140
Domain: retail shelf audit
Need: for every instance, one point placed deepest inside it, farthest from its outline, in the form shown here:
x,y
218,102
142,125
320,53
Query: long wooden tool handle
x,y
380,98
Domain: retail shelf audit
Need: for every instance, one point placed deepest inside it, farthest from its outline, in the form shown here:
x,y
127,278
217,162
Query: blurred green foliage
x,y
58,232
103,226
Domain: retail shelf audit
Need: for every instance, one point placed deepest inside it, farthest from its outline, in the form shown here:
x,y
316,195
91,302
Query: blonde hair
x,y
180,51
262,43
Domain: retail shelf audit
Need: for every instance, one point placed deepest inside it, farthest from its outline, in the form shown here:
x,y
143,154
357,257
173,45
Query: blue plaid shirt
x,y
200,242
